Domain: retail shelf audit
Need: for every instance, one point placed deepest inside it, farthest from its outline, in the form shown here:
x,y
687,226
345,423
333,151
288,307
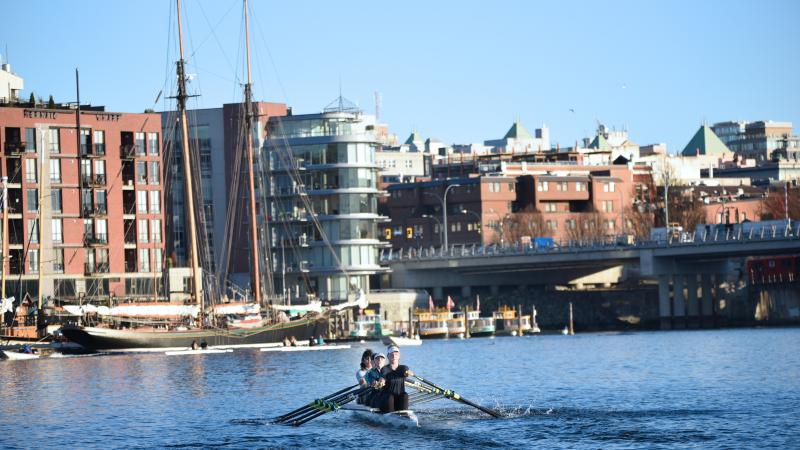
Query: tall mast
x,y
5,235
187,172
248,106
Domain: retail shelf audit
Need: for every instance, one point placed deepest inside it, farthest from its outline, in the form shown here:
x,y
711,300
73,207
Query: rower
x,y
394,374
374,379
366,365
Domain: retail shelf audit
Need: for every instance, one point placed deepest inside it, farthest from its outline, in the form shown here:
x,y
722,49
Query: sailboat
x,y
250,329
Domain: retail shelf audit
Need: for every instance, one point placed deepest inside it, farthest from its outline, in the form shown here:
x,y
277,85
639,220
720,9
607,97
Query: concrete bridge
x,y
694,272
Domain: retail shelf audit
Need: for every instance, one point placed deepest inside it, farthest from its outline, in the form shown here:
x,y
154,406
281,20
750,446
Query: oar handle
x,y
304,408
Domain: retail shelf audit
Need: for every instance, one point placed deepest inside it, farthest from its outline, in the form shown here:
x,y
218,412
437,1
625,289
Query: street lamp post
x,y
444,213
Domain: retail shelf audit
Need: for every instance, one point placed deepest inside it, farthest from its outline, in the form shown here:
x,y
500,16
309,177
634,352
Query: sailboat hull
x,y
109,339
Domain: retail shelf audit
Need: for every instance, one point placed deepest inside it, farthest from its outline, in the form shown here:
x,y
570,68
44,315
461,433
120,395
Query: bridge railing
x,y
710,236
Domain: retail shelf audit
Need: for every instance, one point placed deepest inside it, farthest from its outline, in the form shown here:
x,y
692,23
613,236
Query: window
x,y
542,187
608,187
152,143
30,140
100,201
610,225
33,261
550,207
101,230
55,200
99,142
30,170
139,142
141,172
155,230
409,164
551,224
33,200
53,141
561,186
155,202
580,186
570,224
141,202
55,171
144,260
58,260
33,231
608,206
58,236
86,141
100,171
155,173
158,264
142,228
510,187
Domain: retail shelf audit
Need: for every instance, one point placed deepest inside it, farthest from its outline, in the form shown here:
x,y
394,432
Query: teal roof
x,y
705,142
413,138
517,131
600,143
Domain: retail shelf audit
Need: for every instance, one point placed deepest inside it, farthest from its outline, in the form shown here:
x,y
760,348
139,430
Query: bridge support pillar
x,y
466,292
679,304
438,293
664,304
692,303
707,302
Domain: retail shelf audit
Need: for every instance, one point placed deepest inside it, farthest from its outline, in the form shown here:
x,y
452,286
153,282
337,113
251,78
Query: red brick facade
x,y
94,239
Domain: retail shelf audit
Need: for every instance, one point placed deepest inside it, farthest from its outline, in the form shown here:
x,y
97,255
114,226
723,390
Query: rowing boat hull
x,y
110,339
405,418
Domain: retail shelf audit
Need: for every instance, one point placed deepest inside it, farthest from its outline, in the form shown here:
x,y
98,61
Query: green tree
x,y
32,99
51,104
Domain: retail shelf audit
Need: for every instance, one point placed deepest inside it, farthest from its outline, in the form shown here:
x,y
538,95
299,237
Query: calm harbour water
x,y
694,389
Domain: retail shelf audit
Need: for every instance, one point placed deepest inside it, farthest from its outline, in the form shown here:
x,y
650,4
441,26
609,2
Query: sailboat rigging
x,y
205,328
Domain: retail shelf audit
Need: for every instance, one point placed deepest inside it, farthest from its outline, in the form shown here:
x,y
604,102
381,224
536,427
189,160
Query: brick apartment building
x,y
559,200
102,216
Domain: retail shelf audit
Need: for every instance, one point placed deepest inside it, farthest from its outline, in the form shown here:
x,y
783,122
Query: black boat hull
x,y
105,339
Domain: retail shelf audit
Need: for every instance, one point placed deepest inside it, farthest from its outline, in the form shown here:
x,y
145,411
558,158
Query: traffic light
x,y
388,233
409,233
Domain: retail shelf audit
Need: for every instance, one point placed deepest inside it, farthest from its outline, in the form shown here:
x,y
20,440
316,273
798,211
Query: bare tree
x,y
640,218
587,227
774,206
528,222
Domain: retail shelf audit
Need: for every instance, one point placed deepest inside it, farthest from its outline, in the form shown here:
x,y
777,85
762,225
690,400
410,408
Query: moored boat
x,y
507,321
370,325
456,325
480,326
432,324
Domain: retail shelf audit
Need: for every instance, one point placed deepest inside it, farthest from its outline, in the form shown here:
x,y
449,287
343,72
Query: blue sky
x,y
460,71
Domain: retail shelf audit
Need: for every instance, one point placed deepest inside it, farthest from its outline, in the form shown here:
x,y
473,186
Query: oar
x,y
311,405
453,395
330,406
320,407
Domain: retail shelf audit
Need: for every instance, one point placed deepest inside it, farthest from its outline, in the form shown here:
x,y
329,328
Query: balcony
x,y
14,148
95,240
93,150
93,211
96,268
96,180
128,151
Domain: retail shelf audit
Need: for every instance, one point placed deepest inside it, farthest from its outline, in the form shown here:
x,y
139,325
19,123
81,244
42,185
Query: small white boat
x,y
306,348
12,355
404,418
402,341
199,351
